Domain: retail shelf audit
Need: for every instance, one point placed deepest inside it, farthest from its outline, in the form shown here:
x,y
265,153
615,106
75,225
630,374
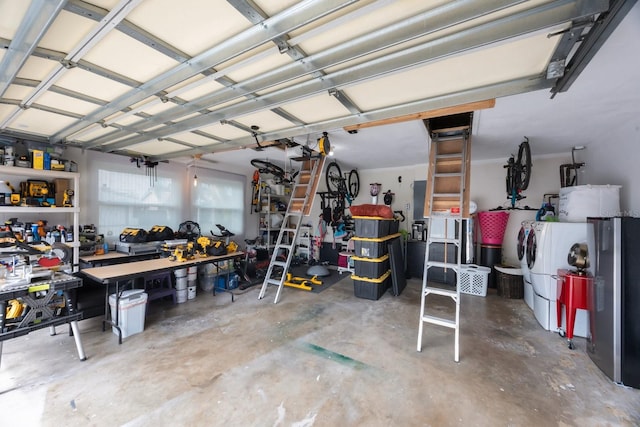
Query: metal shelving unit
x,y
47,175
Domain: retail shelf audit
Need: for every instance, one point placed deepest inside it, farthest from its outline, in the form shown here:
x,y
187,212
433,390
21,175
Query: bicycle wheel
x,y
353,182
267,167
524,163
333,177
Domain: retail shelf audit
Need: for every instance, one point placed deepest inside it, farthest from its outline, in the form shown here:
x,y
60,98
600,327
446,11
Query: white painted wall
x,y
614,163
487,190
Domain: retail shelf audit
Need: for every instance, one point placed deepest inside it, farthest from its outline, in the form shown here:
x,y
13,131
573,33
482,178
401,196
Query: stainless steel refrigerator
x,y
614,300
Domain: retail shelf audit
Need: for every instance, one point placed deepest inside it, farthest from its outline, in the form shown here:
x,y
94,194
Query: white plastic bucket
x,y
181,272
192,269
191,292
181,296
181,283
192,277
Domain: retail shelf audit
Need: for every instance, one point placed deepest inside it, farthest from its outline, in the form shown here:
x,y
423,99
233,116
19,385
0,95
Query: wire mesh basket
x,y
473,279
493,226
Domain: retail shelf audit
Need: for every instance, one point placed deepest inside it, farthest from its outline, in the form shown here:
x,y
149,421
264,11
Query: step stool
x,y
159,285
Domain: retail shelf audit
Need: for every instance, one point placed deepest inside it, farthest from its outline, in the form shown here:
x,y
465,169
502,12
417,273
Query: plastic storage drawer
x,y
371,288
370,267
394,226
372,226
372,248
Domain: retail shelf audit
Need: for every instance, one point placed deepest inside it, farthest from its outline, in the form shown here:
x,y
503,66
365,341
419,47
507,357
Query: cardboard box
x,y
61,185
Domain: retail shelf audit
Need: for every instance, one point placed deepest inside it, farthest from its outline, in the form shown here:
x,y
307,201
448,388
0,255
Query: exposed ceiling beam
x,y
107,24
285,22
60,90
527,84
217,75
527,21
38,18
19,106
96,13
255,15
409,29
446,111
345,101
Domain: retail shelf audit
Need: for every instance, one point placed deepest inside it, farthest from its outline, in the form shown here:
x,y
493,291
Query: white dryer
x,y
548,245
521,248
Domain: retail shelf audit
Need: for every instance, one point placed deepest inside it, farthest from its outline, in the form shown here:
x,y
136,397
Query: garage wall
x,y
88,161
611,153
617,163
487,190
608,164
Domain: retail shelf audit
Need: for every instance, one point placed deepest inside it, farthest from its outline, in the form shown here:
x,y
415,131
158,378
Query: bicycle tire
x,y
265,166
511,180
524,162
353,182
332,177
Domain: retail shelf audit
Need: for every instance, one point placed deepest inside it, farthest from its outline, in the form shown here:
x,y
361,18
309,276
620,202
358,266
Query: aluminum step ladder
x,y
300,202
447,200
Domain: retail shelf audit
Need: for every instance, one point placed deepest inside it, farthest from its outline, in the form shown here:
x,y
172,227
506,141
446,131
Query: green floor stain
x,y
332,355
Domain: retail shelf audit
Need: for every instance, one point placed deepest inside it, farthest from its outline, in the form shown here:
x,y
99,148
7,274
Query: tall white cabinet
x,y
54,215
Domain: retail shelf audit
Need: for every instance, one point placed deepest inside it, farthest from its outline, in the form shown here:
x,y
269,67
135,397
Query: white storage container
x,y
131,313
582,201
473,279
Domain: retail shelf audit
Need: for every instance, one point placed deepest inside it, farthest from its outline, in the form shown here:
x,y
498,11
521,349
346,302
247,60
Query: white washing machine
x,y
548,245
523,234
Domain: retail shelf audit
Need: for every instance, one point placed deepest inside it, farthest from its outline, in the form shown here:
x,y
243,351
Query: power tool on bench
x,y
208,246
183,252
37,193
12,198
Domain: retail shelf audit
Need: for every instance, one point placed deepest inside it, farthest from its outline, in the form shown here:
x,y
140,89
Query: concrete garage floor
x,y
326,359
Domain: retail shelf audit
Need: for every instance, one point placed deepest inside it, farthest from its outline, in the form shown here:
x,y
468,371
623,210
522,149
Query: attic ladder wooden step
x,y
446,199
300,202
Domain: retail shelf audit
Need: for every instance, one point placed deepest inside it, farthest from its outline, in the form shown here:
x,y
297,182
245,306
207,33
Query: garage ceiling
x,y
177,80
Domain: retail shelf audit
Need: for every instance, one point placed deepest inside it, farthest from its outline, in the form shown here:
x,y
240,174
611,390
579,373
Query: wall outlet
x,y
407,207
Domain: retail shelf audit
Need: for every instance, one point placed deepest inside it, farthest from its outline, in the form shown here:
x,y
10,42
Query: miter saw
x,y
49,256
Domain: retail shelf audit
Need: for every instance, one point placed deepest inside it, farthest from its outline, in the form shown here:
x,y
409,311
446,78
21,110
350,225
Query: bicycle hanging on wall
x,y
518,173
341,187
257,185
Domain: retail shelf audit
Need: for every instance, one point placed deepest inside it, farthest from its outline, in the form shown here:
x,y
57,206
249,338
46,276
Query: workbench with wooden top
x,y
116,274
113,257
